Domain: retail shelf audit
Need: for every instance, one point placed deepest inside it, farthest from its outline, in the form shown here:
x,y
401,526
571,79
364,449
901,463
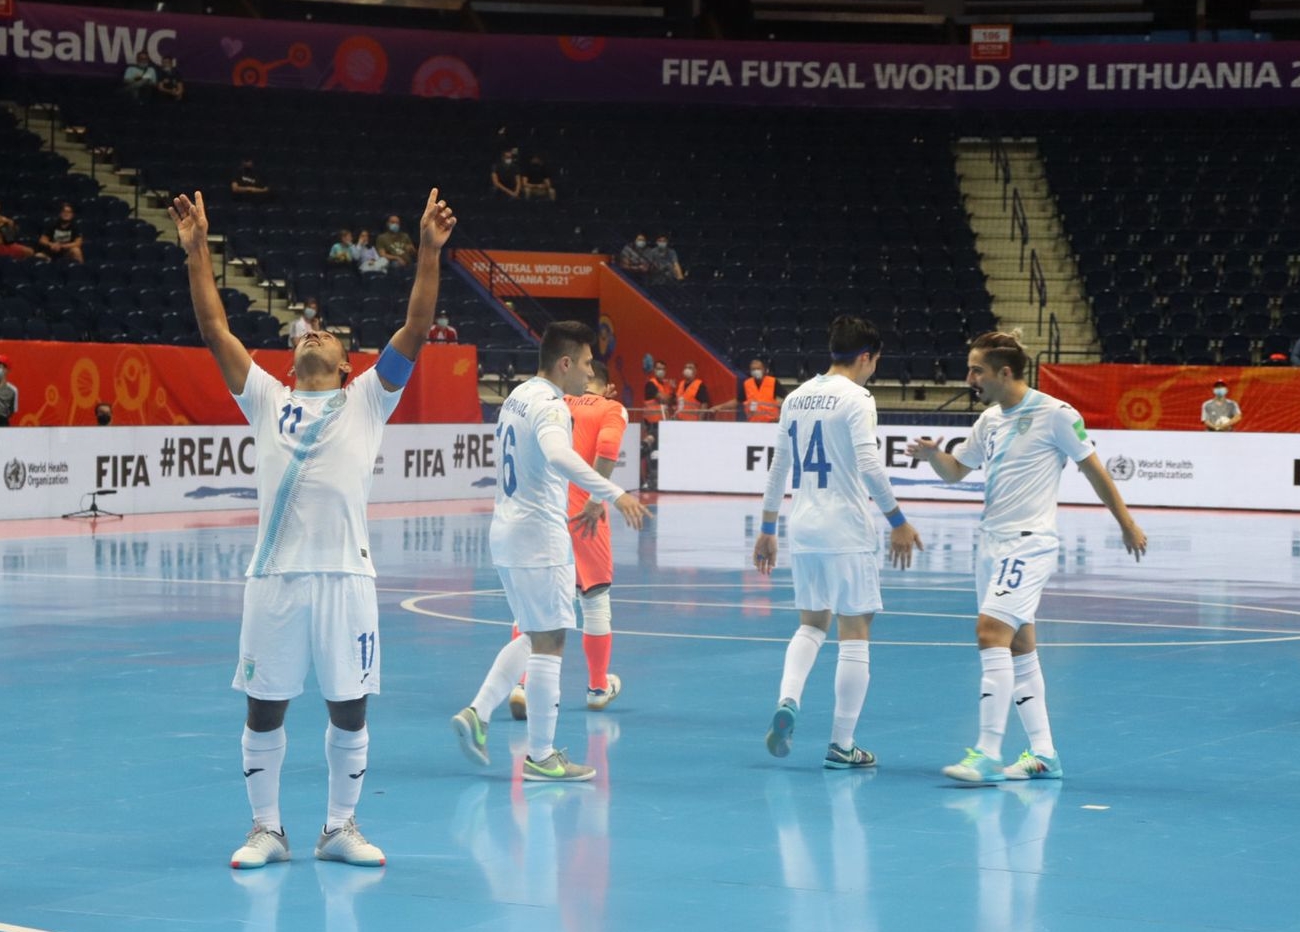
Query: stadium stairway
x,y
989,204
120,182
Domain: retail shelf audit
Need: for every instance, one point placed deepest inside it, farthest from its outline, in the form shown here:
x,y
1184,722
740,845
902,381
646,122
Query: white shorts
x,y
1011,573
293,621
540,597
841,583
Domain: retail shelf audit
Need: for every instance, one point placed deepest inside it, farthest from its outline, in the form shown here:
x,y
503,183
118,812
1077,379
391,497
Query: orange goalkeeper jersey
x,y
598,426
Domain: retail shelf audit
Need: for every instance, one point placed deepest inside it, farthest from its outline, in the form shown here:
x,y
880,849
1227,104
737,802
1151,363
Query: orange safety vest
x,y
656,410
689,407
760,400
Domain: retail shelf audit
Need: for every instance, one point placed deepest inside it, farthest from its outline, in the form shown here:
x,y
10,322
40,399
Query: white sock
x,y
1030,695
800,655
852,676
263,758
543,704
502,677
996,684
346,753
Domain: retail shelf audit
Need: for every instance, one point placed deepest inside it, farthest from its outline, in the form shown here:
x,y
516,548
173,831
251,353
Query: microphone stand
x,y
94,511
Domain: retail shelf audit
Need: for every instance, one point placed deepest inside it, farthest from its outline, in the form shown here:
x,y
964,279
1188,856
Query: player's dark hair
x,y
851,337
563,338
599,372
1002,350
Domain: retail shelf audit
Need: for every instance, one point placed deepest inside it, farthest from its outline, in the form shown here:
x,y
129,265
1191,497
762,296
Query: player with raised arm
x,y
599,423
1022,441
827,435
310,596
532,551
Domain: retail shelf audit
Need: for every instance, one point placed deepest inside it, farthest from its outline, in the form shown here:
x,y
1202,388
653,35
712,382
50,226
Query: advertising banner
x,y
1157,468
51,471
1170,397
45,38
60,383
542,274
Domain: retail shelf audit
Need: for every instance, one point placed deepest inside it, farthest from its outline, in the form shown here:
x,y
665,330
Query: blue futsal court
x,y
1173,687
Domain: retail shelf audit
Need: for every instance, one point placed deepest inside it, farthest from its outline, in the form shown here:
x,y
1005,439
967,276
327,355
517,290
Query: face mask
x,y
442,321
756,374
394,227
661,244
640,244
309,313
660,373
1220,393
104,418
507,160
688,374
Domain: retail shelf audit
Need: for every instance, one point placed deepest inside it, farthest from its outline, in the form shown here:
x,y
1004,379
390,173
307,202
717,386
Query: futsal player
x,y
599,423
532,551
827,435
1022,441
310,596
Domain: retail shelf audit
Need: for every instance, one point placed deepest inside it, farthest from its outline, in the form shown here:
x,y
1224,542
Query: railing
x,y
1001,166
1053,338
1038,284
504,289
1019,223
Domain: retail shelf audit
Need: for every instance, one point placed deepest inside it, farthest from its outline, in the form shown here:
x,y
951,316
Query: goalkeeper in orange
x,y
598,425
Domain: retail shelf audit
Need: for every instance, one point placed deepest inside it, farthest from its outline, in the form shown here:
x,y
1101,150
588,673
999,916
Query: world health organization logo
x,y
15,475
1120,468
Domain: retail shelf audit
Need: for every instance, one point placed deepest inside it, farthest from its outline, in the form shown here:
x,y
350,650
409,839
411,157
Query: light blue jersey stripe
x,y
284,495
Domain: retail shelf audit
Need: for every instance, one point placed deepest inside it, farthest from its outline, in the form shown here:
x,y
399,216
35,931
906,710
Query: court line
x,y
412,605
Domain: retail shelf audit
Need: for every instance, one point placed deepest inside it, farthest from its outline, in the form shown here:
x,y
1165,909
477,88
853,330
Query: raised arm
x,y
1135,541
435,227
192,228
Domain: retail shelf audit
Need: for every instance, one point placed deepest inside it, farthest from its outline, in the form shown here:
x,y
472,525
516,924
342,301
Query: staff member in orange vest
x,y
763,394
692,395
660,394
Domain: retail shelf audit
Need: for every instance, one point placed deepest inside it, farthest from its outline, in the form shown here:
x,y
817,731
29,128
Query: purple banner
x,y
88,41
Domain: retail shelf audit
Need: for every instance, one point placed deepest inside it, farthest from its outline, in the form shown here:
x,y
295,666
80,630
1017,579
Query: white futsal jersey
x,y
530,525
1023,450
315,464
828,437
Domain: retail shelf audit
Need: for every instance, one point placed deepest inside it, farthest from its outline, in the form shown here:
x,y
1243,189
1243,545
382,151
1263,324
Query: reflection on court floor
x,y
1172,682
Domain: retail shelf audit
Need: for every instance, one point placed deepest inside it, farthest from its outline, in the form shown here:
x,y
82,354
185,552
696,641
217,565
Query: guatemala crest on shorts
x,y
249,667
1023,423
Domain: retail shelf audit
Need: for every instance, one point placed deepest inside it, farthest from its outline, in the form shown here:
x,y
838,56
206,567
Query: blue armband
x,y
897,520
768,527
393,367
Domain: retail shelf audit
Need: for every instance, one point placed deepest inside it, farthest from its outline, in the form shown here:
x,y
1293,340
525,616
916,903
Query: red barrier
x,y
1131,397
59,384
632,326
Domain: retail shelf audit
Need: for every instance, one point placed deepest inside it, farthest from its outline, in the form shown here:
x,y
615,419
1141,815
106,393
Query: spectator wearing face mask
x,y
247,184
692,395
664,266
8,394
307,321
506,180
366,256
1220,413
103,414
394,244
443,331
634,258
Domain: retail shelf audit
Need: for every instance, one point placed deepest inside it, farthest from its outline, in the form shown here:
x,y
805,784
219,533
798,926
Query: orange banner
x,y
540,274
1131,397
632,326
59,384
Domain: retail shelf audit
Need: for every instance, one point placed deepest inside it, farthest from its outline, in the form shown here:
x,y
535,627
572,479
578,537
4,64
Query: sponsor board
x,y
51,471
1156,468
